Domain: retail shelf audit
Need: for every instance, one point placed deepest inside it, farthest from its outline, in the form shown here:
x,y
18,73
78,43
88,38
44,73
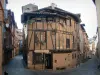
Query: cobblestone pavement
x,y
88,68
16,67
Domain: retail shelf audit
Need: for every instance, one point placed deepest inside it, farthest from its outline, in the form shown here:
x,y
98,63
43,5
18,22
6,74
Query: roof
x,y
86,35
29,4
48,11
82,26
25,16
93,1
62,12
12,20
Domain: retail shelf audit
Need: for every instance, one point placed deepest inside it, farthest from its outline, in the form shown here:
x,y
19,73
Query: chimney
x,y
53,5
29,8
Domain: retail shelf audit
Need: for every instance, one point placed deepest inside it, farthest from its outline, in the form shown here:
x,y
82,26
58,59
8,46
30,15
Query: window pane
x,y
67,43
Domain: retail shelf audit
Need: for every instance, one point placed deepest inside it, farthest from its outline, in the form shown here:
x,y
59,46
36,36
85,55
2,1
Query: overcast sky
x,y
85,7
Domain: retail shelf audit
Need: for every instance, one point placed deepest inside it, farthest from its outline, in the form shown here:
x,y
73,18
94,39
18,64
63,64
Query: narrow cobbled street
x,y
16,67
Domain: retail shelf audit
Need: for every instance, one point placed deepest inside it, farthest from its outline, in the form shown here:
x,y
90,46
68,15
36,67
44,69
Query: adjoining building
x,y
51,38
18,41
97,3
8,36
93,46
7,31
3,4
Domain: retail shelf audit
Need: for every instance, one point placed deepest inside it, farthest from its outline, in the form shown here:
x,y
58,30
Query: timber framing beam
x,y
62,51
70,33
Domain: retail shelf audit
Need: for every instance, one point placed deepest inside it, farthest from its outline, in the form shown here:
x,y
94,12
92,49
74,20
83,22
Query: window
x,y
75,55
17,31
38,19
43,36
69,65
50,19
40,37
36,37
67,43
0,23
73,39
73,43
43,20
61,22
69,22
28,9
72,56
38,58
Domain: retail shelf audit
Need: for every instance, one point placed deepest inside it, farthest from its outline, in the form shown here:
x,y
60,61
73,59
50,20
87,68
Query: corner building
x,y
51,39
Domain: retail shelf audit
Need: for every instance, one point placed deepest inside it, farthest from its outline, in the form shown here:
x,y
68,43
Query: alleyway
x,y
16,67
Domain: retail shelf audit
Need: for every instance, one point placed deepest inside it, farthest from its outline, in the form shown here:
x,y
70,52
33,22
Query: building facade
x,y
8,36
84,43
17,41
81,33
50,38
3,4
97,3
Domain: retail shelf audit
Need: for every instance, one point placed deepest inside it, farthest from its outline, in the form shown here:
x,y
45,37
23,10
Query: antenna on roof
x,y
53,5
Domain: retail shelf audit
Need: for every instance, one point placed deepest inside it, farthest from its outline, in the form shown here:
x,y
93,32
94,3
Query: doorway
x,y
48,61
